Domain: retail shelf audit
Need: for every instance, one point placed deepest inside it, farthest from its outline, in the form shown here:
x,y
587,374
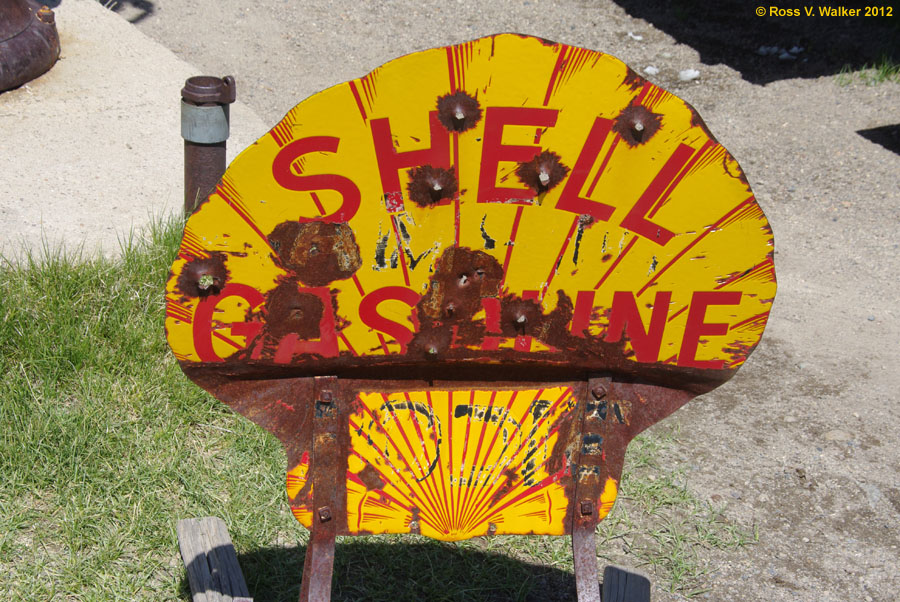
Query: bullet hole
x,y
429,185
636,124
291,311
430,342
461,279
317,252
202,277
520,317
458,112
543,172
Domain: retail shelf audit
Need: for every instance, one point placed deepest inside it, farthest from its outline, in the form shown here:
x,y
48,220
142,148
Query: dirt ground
x,y
803,442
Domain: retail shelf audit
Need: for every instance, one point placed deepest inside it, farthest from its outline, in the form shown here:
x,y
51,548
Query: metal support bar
x,y
588,487
327,478
205,126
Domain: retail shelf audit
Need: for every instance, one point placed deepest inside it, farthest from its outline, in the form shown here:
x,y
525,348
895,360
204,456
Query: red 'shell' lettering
x,y
569,199
493,151
390,162
284,175
636,220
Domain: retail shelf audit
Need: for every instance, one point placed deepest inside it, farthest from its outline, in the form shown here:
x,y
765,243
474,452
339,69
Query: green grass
x,y
104,445
884,70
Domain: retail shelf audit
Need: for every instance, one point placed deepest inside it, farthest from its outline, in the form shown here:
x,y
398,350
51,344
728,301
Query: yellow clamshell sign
x,y
506,202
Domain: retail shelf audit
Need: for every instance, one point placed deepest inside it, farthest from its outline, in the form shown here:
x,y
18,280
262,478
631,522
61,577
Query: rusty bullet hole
x,y
543,172
203,276
317,252
429,185
636,124
458,112
462,278
431,342
413,526
492,529
449,310
324,514
520,317
290,311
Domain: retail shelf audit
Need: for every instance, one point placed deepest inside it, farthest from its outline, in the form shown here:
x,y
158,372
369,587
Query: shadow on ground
x,y
368,569
887,136
729,32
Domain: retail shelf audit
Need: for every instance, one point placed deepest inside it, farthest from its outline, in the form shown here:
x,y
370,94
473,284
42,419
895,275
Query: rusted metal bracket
x,y
205,122
327,478
588,486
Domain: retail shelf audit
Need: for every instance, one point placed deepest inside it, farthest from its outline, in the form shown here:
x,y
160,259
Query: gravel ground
x,y
803,442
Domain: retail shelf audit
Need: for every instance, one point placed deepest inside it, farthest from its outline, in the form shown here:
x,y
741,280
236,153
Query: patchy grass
x,y
104,445
883,70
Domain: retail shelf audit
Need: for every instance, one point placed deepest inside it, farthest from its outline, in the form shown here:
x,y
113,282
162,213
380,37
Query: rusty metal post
x,y
205,120
29,43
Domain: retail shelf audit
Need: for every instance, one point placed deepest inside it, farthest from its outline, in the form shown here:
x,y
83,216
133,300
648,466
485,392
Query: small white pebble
x,y
635,37
651,70
687,75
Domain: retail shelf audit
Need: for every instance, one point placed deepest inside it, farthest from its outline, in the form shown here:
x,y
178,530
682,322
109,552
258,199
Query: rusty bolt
x,y
45,15
587,508
492,528
326,396
414,526
324,514
599,392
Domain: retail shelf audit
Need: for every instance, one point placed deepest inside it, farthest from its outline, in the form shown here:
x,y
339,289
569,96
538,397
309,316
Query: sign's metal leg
x,y
318,566
327,478
584,551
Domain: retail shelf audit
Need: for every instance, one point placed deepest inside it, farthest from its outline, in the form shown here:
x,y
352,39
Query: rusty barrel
x,y
29,43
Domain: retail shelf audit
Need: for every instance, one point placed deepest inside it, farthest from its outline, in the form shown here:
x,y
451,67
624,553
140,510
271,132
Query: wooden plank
x,y
213,572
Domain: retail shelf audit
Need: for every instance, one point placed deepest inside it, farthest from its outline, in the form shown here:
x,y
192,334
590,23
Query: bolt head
x,y
324,514
599,392
587,508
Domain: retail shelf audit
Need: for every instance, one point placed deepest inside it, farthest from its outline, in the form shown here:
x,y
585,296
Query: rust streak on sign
x,y
509,277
